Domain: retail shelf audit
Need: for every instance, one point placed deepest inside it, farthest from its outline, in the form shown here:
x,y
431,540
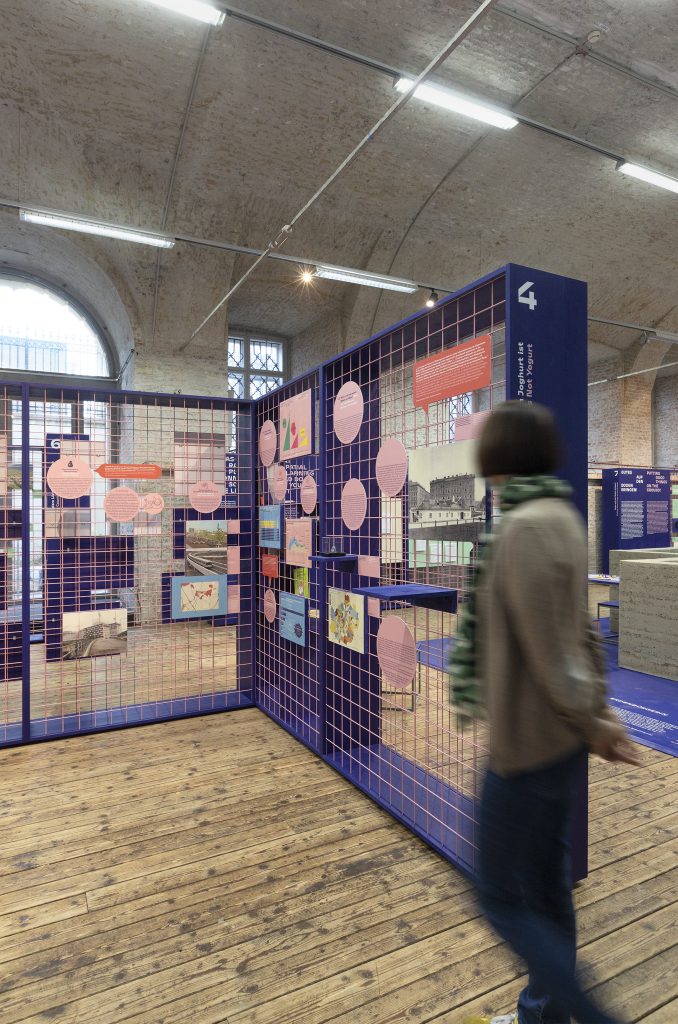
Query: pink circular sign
x,y
353,504
70,477
348,412
391,467
396,651
268,442
277,481
122,504
205,496
309,494
153,503
270,606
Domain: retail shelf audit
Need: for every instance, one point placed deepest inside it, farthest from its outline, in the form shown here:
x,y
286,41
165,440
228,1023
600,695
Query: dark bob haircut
x,y
519,439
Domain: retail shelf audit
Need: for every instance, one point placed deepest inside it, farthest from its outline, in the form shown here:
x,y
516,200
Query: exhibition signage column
x,y
636,510
547,362
546,358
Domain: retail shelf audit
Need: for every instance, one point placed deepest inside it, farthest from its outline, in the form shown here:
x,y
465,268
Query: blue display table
x,y
439,599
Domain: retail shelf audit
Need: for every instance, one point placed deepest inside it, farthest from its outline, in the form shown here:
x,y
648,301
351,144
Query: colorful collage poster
x,y
270,526
299,542
199,597
293,619
346,619
296,432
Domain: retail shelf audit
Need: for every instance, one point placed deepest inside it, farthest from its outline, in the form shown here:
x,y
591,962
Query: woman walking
x,y
526,658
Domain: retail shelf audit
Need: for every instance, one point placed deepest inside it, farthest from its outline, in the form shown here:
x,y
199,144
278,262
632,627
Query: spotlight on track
x,y
432,299
307,275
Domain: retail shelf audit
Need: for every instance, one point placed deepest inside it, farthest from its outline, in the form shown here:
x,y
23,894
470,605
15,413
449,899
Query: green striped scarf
x,y
465,690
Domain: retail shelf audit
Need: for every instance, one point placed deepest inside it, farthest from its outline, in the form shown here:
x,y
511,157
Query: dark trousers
x,y
525,886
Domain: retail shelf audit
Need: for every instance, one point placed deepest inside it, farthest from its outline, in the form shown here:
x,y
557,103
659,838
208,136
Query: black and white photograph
x,y
94,634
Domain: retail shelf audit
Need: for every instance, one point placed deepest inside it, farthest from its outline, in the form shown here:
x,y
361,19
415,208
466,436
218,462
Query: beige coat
x,y
542,677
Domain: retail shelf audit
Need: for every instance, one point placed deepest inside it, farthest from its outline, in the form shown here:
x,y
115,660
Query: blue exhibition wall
x,y
636,510
396,563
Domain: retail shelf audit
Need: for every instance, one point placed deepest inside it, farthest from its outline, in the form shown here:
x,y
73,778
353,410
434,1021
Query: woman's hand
x,y
612,743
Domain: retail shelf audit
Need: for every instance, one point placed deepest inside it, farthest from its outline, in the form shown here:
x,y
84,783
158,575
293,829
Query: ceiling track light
x,y
348,276
459,103
432,299
91,227
649,176
207,13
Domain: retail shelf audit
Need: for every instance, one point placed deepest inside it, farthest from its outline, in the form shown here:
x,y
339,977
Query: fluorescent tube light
x,y
204,12
393,284
89,227
660,335
461,104
652,177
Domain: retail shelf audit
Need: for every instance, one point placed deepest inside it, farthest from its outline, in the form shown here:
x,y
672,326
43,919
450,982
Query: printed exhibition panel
x,y
636,510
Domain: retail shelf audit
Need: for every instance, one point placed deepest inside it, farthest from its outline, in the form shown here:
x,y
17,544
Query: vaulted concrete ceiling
x,y
119,110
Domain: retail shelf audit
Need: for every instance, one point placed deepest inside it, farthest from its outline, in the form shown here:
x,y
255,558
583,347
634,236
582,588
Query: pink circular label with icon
x,y
391,467
153,503
348,412
70,477
309,494
268,442
353,504
396,651
205,496
270,606
121,504
277,481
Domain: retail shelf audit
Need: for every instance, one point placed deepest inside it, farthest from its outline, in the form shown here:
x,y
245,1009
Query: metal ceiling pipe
x,y
449,48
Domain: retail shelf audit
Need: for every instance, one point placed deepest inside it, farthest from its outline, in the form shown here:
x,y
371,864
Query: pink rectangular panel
x,y
233,561
369,565
467,428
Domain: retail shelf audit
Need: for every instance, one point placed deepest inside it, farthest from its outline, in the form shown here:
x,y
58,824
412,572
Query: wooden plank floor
x,y
213,870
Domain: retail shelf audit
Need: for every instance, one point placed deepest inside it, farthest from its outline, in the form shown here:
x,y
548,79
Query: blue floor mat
x,y
647,705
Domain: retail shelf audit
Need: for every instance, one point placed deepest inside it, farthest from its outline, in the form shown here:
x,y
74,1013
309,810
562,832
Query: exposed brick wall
x,y
605,413
636,432
190,375
665,411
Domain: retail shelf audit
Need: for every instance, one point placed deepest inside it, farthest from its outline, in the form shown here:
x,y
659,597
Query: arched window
x,y
43,331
